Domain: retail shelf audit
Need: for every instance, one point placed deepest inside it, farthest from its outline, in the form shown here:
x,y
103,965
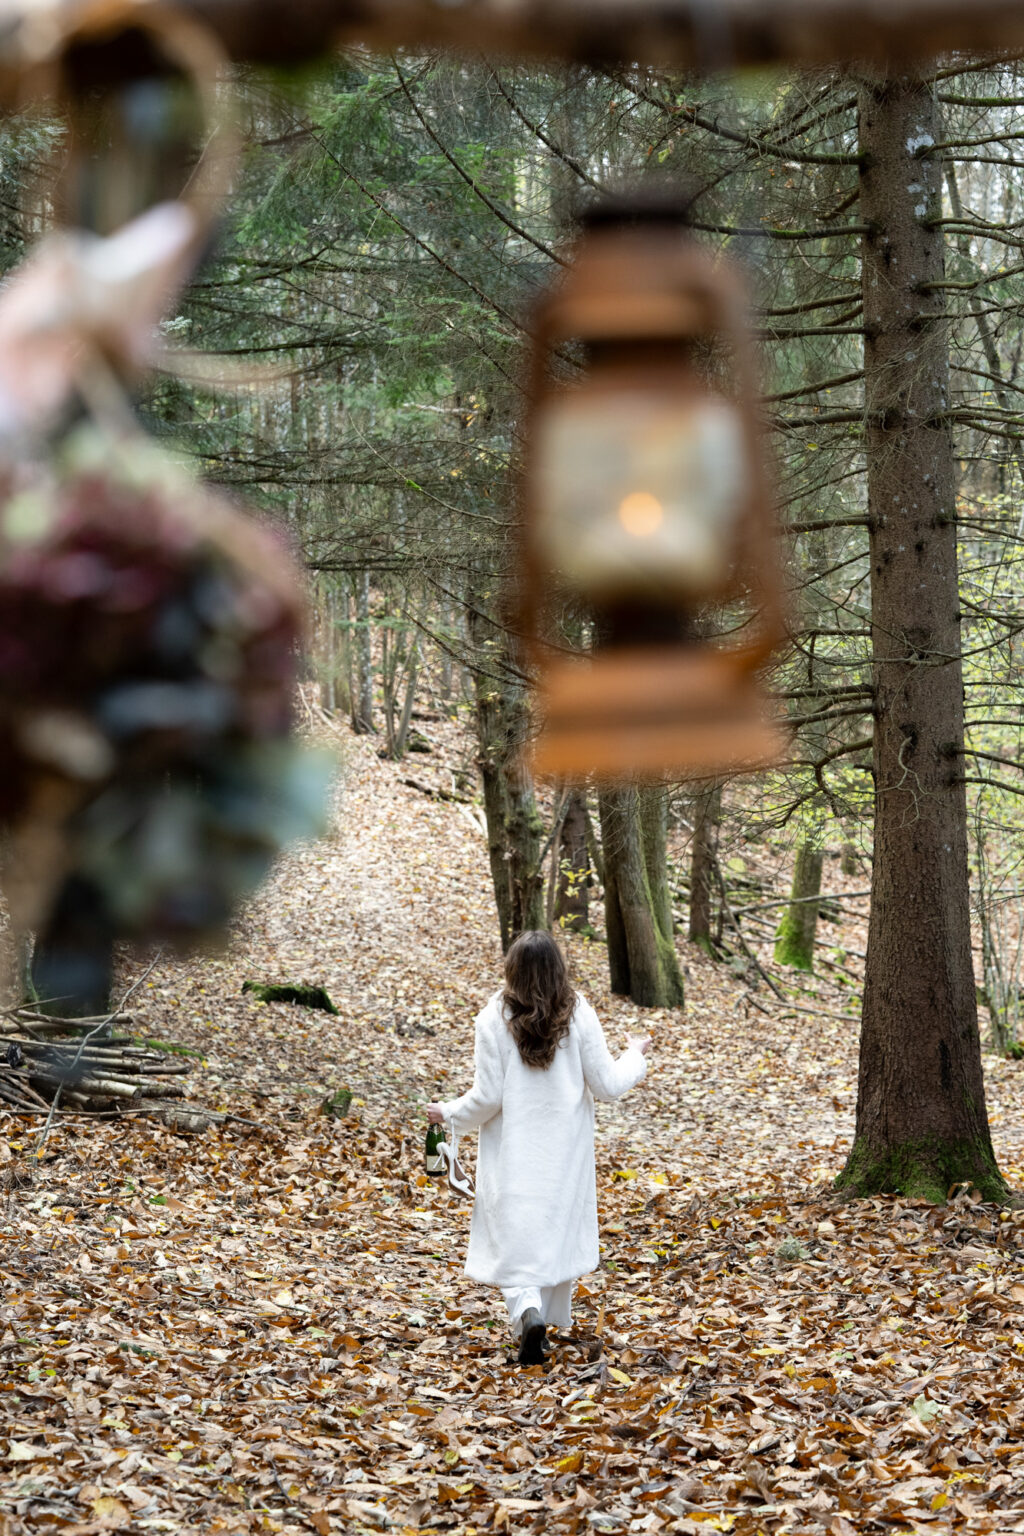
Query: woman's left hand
x,y
435,1114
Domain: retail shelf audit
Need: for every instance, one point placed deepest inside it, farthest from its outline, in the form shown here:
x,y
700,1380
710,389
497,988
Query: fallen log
x,y
105,1087
48,1023
48,1065
108,1061
435,792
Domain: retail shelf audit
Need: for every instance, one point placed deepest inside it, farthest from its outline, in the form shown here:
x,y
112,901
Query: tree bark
x,y
362,696
707,818
572,900
524,827
411,677
490,753
922,1123
642,959
447,625
328,652
654,821
794,942
514,824
615,929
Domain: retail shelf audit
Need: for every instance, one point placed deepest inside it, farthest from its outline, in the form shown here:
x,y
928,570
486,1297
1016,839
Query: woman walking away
x,y
541,1060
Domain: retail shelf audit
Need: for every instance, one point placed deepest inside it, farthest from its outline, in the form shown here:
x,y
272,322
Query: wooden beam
x,y
702,34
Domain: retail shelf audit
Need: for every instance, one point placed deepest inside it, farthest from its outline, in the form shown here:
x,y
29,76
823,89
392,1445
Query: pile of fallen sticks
x,y
82,1064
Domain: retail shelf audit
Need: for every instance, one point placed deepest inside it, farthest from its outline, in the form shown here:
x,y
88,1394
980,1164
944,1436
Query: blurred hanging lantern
x,y
646,508
149,631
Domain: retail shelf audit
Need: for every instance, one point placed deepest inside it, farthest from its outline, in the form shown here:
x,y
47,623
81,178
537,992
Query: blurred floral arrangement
x,y
149,640
149,631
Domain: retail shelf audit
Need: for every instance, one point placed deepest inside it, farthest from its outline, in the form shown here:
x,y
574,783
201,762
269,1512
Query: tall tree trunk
x,y
524,828
411,676
654,827
707,818
362,695
922,1123
641,957
572,901
347,649
615,928
328,651
490,734
446,619
794,942
514,824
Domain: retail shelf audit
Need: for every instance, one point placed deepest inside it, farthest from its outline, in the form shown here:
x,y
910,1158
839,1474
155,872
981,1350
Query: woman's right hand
x,y
642,1043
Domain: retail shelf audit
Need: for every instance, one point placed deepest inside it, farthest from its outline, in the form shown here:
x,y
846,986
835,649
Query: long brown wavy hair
x,y
539,1001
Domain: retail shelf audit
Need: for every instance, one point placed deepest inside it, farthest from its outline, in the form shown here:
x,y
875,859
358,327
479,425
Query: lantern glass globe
x,y
638,494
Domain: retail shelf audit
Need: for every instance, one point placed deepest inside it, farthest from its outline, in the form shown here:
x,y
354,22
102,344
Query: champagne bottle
x,y
434,1161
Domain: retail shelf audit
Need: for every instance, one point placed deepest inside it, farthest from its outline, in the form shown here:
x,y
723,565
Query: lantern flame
x,y
641,514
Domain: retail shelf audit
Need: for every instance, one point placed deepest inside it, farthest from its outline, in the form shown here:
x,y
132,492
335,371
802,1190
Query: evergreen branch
x,y
766,333
1010,789
823,524
549,143
991,378
982,102
825,419
417,240
757,145
773,232
814,389
478,191
815,693
967,285
1001,137
829,713
818,763
803,309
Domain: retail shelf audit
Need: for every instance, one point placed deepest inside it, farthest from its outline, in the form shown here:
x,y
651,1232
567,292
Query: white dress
x,y
535,1213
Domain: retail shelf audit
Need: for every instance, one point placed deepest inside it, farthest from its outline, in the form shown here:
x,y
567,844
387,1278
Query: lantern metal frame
x,y
686,707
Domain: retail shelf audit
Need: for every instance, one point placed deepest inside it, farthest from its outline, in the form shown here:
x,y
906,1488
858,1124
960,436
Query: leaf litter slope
x,y
269,1330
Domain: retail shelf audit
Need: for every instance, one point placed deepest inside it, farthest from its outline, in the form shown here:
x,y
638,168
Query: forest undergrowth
x,y
266,1327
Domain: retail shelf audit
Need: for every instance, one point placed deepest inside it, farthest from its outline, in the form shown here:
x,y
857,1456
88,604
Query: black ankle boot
x,y
532,1339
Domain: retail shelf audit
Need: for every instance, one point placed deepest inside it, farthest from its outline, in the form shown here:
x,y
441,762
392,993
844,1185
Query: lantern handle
x,y
45,36
80,315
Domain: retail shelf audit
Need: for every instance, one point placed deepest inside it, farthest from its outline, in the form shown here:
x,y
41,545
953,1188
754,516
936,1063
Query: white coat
x,y
535,1213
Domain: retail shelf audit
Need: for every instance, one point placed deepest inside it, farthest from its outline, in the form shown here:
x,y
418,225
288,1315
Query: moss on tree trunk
x,y
926,1169
794,942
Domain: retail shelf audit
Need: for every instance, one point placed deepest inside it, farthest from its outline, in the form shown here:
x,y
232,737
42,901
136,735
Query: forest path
x,y
393,913
268,1330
